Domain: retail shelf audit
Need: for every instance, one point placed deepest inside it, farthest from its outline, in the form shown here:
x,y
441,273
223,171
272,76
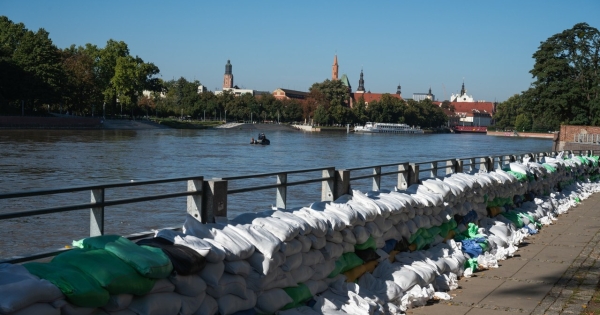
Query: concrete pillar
x,y
413,174
434,170
281,199
194,202
377,178
403,170
342,183
459,166
97,213
214,201
327,187
488,163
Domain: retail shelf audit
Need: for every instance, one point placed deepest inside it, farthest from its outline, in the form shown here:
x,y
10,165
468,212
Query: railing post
x,y
327,187
434,169
512,158
342,183
97,213
194,202
404,170
281,198
489,163
451,167
460,166
377,178
473,162
413,174
214,200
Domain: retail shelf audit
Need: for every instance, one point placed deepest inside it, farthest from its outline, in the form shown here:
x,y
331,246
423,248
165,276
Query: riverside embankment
x,y
413,223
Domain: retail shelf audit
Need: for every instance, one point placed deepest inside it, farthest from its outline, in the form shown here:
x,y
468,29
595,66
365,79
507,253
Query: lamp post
x,y
104,110
225,116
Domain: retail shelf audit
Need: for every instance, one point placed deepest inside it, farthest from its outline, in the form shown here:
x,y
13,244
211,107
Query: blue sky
x,y
291,44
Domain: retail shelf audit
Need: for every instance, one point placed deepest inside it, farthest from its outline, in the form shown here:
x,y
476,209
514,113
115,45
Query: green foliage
x,y
523,122
507,111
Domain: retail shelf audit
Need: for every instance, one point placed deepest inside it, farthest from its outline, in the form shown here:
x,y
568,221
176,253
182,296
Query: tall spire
x,y
463,91
228,77
361,83
399,90
334,69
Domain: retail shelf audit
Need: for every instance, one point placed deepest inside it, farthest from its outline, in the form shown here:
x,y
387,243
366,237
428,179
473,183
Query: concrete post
x,y
489,163
214,200
377,178
451,167
403,176
473,162
434,170
281,198
413,174
97,213
327,187
460,165
194,202
342,183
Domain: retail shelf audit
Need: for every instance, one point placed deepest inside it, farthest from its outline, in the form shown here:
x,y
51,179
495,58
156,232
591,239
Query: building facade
x,y
228,77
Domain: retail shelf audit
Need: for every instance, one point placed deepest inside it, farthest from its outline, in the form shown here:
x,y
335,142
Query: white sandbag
x,y
426,272
162,285
305,227
283,230
271,301
335,237
323,270
291,248
317,242
313,257
319,226
209,306
230,304
239,267
67,308
316,286
208,248
191,285
19,289
348,248
302,274
365,207
343,211
283,280
157,304
302,310
118,302
228,284
306,243
385,290
437,187
403,276
360,234
191,304
258,281
292,262
38,309
259,237
265,265
332,251
383,224
212,273
348,236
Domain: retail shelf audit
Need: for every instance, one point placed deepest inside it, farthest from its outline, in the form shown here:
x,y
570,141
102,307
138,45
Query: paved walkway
x,y
553,272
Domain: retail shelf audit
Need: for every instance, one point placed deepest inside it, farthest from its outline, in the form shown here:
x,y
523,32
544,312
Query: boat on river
x,y
371,127
262,139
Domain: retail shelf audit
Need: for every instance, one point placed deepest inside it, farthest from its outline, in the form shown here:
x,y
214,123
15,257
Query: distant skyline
x,y
275,44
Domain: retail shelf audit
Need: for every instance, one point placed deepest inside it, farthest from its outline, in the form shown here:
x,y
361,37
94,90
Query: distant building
x,y
462,97
202,89
228,77
469,111
334,69
424,96
367,96
282,94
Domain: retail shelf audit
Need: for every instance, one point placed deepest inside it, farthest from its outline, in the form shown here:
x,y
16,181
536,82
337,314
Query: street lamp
x,y
225,115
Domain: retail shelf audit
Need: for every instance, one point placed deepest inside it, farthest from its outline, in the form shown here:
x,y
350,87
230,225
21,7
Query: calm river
x,y
44,159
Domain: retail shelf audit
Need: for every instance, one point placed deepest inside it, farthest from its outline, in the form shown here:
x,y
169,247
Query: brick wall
x,y
567,136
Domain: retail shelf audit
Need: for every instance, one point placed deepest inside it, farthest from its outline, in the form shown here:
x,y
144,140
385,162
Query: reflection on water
x,y
40,159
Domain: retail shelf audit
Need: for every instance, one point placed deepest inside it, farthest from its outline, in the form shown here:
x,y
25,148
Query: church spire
x,y
361,83
463,91
399,90
334,69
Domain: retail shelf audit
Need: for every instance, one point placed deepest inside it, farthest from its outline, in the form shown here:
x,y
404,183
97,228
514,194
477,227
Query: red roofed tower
x,y
334,69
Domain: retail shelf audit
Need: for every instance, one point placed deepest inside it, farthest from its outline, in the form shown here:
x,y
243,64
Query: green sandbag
x,y
112,273
514,218
370,243
412,237
520,177
352,261
299,294
340,264
79,288
150,262
471,263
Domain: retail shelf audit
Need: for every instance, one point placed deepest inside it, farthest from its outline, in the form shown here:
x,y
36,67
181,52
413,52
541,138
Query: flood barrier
x,y
440,225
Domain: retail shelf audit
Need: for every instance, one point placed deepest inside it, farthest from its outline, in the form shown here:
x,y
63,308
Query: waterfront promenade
x,y
553,272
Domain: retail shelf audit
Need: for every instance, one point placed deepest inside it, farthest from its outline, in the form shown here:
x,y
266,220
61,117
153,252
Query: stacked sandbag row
x,y
381,251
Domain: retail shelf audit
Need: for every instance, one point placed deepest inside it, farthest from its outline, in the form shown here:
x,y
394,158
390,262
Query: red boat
x,y
470,129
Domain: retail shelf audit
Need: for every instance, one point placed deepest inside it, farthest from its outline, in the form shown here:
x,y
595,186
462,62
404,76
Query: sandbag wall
x,y
378,252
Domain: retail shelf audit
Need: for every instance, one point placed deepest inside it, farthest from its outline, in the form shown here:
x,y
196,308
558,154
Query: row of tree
x,y
566,89
36,76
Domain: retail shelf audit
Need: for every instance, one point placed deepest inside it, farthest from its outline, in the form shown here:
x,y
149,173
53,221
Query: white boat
x,y
387,128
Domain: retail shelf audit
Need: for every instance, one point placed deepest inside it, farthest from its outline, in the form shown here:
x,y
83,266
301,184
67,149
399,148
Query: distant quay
x,y
543,135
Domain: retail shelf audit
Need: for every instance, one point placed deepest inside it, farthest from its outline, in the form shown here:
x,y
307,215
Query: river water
x,y
45,159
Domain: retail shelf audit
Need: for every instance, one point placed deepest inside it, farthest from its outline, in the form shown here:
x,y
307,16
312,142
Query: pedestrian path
x,y
554,272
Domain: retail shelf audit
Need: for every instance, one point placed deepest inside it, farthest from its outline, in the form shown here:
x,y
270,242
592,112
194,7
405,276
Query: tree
x,y
567,73
321,115
507,112
523,122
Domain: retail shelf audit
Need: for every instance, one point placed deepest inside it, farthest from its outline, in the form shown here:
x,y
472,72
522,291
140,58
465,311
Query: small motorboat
x,y
262,139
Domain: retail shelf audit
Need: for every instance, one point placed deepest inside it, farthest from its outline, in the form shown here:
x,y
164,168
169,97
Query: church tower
x,y
228,77
361,83
463,91
399,90
334,69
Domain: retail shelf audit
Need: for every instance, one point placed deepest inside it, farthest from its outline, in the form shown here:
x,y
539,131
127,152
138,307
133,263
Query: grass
x,y
187,124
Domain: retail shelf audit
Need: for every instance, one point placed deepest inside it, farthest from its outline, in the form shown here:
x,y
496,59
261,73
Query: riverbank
x,y
540,135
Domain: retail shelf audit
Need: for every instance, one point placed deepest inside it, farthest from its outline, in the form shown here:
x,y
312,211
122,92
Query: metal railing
x,y
207,199
587,138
